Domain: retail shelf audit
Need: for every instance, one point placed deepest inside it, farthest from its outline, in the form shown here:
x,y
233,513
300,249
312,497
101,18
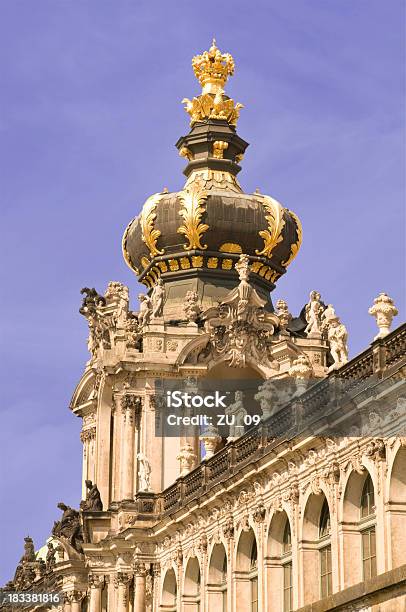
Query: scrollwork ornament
x,y
272,236
149,233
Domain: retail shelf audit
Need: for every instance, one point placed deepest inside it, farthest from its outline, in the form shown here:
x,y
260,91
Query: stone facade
x,y
304,510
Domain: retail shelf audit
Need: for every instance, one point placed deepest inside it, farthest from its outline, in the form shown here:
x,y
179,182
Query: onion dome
x,y
197,234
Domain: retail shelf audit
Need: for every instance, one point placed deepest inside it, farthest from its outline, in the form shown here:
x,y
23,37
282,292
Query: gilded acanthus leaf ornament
x,y
150,235
294,249
273,235
193,198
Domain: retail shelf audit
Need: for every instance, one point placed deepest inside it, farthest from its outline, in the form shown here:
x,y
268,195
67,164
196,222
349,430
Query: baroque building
x,y
298,502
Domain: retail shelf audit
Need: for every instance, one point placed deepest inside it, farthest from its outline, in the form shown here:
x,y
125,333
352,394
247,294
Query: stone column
x,y
66,603
121,582
130,406
139,587
116,448
156,586
87,437
92,454
95,584
83,439
76,600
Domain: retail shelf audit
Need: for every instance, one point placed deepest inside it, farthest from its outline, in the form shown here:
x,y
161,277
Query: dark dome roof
x,y
206,226
202,229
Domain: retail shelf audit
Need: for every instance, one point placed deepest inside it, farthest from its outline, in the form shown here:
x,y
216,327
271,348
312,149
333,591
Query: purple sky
x,y
89,113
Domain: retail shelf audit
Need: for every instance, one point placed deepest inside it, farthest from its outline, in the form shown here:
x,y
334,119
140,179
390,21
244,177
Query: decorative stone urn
x,y
383,309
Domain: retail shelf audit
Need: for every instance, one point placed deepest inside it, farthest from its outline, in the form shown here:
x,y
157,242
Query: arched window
x,y
169,592
325,567
254,576
217,579
246,571
279,564
397,508
287,568
191,588
368,529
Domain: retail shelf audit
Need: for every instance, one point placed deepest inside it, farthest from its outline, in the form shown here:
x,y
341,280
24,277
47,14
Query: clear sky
x,y
89,113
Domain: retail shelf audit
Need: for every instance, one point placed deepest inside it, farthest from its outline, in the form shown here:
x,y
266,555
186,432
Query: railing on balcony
x,y
313,404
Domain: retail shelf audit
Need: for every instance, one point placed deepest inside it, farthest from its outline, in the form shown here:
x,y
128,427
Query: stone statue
x,y
133,332
145,312
313,314
50,558
187,459
337,337
93,502
28,568
117,293
69,526
328,314
242,267
29,552
144,472
267,398
211,440
191,307
284,316
91,301
157,299
237,413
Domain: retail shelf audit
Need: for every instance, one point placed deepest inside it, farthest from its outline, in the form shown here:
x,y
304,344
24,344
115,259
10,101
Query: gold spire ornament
x,y
212,69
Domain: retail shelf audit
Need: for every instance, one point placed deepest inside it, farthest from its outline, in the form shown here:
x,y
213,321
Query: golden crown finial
x,y
212,69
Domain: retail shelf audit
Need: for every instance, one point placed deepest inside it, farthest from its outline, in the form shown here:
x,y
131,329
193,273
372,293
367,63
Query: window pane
x,y
369,553
325,571
372,542
365,544
324,524
224,601
254,594
287,588
323,567
287,539
367,498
